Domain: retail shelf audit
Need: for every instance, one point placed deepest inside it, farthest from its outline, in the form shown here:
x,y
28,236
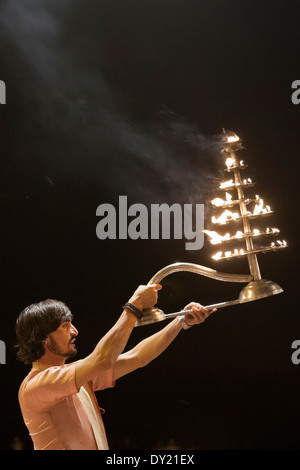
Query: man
x,y
57,400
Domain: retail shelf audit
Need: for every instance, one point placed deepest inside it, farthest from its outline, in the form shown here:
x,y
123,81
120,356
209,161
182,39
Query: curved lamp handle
x,y
198,269
153,315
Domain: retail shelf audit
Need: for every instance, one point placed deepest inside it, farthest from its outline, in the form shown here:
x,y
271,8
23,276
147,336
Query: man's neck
x,y
51,359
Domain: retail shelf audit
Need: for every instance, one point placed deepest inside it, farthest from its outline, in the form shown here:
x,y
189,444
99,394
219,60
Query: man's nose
x,y
74,330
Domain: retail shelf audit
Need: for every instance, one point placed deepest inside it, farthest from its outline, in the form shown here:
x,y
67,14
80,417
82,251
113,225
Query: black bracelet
x,y
137,312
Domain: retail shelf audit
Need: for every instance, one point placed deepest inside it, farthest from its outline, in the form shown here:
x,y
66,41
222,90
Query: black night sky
x,y
110,98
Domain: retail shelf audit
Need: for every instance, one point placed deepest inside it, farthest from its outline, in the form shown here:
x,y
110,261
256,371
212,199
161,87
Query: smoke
x,y
69,122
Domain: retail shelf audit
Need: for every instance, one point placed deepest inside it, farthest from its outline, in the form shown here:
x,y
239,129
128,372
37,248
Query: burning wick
x,y
230,183
233,138
237,253
218,202
231,163
226,184
216,238
227,216
260,209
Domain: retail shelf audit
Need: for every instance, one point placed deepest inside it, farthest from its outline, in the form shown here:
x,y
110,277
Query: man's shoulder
x,y
43,370
43,382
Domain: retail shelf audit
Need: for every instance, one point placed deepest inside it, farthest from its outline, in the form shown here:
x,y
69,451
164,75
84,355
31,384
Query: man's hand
x,y
145,296
198,313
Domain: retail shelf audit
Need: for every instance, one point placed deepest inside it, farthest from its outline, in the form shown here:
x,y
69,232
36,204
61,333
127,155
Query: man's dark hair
x,y
33,325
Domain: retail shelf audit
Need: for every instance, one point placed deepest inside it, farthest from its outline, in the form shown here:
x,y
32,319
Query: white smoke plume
x,y
69,120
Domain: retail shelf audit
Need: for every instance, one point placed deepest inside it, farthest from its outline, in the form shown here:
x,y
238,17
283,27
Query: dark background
x,y
109,98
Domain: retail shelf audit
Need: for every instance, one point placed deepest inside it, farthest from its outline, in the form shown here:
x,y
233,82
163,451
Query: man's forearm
x,y
154,345
115,340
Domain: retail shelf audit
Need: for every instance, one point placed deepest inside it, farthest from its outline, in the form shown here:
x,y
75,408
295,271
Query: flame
x,y
216,238
260,209
218,255
230,162
226,184
218,202
233,138
238,234
281,242
225,217
228,254
247,181
278,244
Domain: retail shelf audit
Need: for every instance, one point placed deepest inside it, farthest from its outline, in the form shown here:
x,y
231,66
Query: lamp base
x,y
259,289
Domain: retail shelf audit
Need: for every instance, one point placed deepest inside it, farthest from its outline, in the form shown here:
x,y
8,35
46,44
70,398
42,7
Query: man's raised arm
x,y
154,345
112,344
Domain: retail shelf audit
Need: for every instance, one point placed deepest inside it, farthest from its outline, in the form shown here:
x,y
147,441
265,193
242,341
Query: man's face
x,y
62,340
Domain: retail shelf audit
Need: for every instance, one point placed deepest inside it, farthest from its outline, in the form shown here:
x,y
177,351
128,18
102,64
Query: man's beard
x,y
56,349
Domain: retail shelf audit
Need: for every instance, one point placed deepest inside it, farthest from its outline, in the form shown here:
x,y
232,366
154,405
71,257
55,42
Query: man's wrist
x,y
184,324
133,309
136,302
